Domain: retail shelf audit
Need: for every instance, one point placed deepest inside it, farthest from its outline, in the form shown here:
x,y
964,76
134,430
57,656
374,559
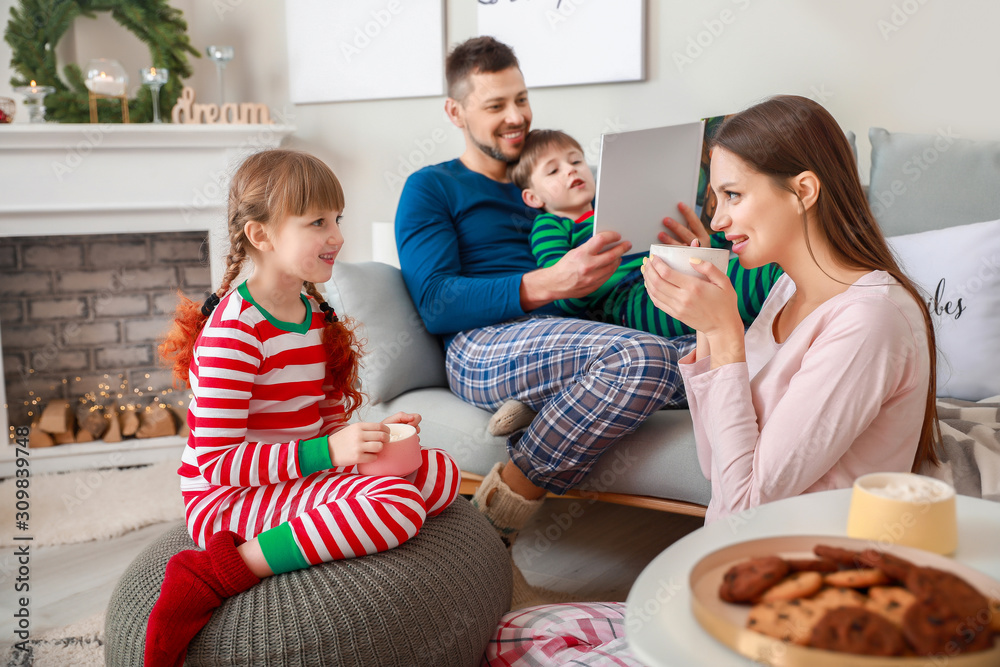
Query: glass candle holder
x,y
220,55
105,77
154,78
35,100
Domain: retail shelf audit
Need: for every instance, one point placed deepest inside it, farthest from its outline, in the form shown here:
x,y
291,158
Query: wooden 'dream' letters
x,y
189,112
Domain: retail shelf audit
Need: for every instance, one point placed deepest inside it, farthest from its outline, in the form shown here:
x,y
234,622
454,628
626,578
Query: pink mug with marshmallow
x,y
399,457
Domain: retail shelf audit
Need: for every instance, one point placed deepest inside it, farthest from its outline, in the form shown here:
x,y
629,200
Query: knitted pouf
x,y
435,600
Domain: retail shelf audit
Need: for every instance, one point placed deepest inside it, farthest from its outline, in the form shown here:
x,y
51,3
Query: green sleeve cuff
x,y
280,550
314,455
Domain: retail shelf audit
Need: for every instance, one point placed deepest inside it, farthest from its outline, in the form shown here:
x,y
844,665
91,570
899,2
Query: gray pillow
x,y
921,182
399,354
852,139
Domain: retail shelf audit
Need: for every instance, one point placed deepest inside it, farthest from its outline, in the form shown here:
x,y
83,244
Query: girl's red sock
x,y
195,584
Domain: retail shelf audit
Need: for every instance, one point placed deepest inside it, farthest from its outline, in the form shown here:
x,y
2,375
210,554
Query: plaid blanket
x,y
970,452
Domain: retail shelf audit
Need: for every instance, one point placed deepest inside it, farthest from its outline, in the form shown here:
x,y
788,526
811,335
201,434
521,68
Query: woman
x,y
836,377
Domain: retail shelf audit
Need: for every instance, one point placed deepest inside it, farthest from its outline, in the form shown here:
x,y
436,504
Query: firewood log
x,y
129,421
57,417
64,438
39,438
114,432
157,422
95,423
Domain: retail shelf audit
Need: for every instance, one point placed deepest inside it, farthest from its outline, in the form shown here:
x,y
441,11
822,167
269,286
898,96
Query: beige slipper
x,y
510,418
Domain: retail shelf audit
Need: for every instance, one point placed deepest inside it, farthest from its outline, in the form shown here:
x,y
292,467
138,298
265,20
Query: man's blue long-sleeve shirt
x,y
463,242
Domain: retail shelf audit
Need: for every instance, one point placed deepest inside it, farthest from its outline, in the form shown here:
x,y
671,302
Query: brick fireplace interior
x,y
81,316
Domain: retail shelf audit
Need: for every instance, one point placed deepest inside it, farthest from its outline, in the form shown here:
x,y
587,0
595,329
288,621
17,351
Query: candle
x,y
153,76
104,84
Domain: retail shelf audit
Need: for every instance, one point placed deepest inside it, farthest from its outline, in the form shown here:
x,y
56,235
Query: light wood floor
x,y
590,549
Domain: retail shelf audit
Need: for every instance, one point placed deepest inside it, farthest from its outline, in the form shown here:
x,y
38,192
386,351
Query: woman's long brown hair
x,y
268,187
787,135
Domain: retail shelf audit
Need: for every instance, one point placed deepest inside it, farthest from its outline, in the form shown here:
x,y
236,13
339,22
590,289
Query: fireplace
x,y
81,316
99,227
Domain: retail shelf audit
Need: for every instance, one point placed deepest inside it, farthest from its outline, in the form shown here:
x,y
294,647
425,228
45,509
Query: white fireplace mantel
x,y
71,179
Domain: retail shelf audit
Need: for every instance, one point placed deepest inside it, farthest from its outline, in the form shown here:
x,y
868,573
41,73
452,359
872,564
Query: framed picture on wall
x,y
567,42
344,50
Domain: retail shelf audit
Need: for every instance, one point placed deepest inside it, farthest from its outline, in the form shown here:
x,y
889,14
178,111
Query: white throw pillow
x,y
959,270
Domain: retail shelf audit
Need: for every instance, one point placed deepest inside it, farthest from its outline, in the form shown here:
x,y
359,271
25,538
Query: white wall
x,y
936,71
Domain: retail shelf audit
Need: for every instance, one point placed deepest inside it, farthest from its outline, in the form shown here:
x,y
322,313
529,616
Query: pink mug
x,y
399,457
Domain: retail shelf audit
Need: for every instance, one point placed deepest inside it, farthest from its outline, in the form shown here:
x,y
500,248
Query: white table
x,y
660,627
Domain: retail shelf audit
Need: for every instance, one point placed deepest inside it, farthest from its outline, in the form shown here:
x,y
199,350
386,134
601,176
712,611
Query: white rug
x,y
67,508
80,645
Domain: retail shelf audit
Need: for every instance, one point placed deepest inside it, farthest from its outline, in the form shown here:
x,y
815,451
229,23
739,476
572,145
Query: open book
x,y
644,174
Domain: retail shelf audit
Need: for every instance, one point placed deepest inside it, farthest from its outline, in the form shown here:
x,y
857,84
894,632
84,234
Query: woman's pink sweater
x,y
842,396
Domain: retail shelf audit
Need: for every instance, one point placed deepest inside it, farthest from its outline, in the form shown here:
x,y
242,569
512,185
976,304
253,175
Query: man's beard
x,y
495,152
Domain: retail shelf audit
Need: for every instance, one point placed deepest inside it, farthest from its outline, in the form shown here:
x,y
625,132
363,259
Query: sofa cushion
x,y
959,269
928,181
399,354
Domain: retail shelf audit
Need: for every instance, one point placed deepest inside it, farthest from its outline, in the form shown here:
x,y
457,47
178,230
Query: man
x,y
462,231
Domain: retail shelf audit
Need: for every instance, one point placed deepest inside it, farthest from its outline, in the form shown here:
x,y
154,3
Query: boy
x,y
554,177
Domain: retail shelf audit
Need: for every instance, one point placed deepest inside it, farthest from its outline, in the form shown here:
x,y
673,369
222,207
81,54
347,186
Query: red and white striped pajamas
x,y
257,453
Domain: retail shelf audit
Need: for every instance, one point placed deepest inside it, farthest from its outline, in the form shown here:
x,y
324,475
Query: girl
x,y
835,378
269,474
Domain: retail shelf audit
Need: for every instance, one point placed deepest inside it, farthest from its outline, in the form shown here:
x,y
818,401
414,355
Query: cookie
x,y
995,616
856,578
895,567
948,590
843,557
832,598
933,629
812,565
747,581
859,631
891,602
787,620
794,586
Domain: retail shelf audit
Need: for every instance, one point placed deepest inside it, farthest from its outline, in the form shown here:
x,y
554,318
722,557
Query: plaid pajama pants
x,y
590,382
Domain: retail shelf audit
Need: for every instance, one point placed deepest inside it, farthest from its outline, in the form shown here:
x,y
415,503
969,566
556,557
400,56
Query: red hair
x,y
268,187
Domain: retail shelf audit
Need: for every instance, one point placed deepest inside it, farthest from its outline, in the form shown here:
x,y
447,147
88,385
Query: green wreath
x,y
37,26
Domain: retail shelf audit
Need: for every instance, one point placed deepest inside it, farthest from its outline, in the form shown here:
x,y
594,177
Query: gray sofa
x,y
656,466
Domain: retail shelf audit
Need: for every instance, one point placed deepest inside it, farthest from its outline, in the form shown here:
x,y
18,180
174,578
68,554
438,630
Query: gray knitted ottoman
x,y
435,600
